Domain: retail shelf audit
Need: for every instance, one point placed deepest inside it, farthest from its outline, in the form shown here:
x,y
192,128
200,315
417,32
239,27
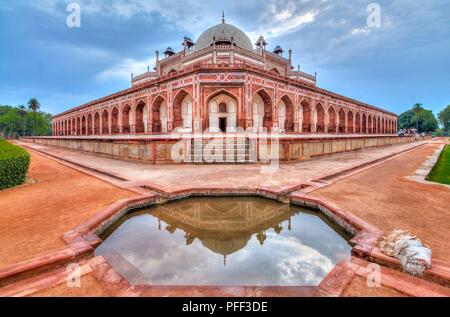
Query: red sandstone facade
x,y
221,84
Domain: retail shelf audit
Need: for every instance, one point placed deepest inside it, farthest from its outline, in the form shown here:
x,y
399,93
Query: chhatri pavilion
x,y
223,82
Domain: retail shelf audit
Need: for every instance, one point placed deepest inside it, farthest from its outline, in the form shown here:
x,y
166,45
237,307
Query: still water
x,y
224,241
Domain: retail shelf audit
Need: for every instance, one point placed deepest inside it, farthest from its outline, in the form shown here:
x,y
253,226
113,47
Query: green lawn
x,y
441,171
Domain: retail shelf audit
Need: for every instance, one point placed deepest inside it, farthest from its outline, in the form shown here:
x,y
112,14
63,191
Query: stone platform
x,y
234,148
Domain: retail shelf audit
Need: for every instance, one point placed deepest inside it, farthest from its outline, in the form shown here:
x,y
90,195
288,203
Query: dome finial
x,y
223,16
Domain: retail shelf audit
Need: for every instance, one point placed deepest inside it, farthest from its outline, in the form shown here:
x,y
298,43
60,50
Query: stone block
x,y
116,149
338,146
123,150
133,151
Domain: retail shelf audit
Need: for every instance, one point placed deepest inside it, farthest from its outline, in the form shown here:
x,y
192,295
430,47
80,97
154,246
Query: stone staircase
x,y
222,151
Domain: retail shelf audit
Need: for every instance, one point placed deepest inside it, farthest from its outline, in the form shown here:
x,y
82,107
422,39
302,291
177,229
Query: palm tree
x,y
416,109
34,105
22,112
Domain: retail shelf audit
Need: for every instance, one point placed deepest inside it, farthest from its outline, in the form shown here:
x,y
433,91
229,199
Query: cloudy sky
x,y
404,61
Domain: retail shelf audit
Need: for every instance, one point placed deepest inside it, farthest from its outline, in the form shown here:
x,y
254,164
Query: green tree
x,y
10,122
406,120
419,118
426,121
34,105
17,121
444,118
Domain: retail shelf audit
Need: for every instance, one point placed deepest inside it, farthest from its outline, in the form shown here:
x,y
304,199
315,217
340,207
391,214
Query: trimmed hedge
x,y
14,163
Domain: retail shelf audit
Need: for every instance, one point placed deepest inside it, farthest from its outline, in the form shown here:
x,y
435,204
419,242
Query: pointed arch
x,y
97,123
364,123
79,129
350,123
126,119
222,113
140,117
320,118
341,118
105,122
305,117
83,125
89,124
331,120
182,110
115,121
286,114
159,111
357,122
265,110
370,126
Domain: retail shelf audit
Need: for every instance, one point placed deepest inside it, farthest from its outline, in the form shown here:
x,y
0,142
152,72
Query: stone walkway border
x,y
421,174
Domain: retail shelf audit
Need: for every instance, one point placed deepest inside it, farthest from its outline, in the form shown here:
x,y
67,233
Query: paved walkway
x,y
34,217
385,197
173,177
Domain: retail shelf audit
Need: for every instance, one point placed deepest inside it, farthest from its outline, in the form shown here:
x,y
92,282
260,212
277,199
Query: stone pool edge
x,y
83,239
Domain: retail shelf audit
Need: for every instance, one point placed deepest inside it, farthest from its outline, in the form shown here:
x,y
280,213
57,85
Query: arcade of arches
x,y
223,113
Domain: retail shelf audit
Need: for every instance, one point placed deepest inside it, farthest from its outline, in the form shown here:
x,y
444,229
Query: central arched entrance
x,y
222,113
262,111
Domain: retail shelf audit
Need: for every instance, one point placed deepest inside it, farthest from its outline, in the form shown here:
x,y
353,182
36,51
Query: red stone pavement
x,y
108,283
34,217
172,177
384,197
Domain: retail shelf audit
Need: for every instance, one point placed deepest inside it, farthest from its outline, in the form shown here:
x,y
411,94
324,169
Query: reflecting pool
x,y
224,241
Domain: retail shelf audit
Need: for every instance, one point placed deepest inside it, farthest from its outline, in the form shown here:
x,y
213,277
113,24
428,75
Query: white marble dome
x,y
223,32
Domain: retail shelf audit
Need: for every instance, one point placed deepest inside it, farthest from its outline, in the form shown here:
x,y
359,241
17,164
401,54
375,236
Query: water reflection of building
x,y
224,225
